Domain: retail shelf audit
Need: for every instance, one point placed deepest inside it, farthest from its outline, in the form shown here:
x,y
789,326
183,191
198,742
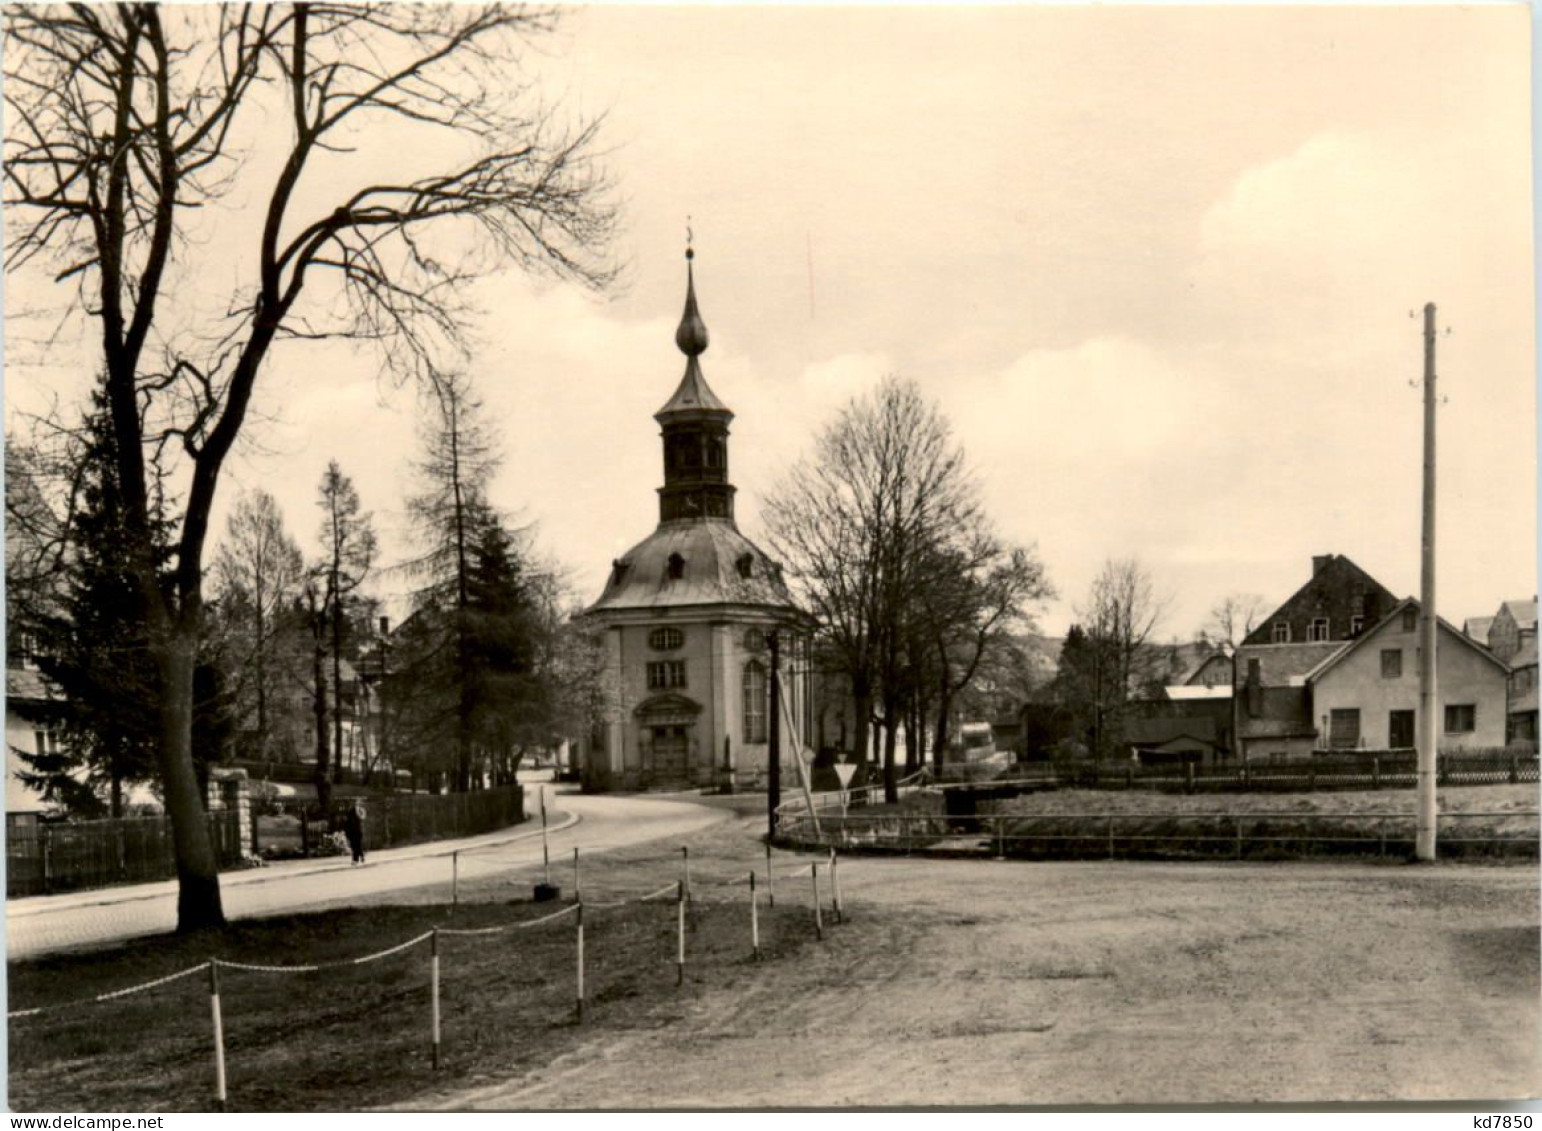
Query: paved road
x,y
44,924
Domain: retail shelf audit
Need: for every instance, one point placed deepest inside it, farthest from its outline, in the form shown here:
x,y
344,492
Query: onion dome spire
x,y
691,336
693,395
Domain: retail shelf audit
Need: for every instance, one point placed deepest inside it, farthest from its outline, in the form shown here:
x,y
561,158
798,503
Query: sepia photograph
x,y
753,557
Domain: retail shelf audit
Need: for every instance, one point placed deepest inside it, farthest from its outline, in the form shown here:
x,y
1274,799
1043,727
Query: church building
x,y
687,615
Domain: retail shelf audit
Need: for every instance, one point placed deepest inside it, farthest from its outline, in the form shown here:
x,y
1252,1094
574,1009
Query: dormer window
x,y
746,565
618,570
676,567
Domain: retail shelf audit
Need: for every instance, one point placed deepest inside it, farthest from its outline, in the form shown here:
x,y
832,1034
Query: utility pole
x,y
774,753
1429,701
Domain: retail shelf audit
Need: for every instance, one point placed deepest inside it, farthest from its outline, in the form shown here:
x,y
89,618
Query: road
x,y
45,924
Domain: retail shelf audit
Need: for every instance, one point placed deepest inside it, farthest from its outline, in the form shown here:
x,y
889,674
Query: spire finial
x,y
691,336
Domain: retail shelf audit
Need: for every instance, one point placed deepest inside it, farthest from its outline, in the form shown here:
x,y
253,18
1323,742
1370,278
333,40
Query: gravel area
x,y
1086,983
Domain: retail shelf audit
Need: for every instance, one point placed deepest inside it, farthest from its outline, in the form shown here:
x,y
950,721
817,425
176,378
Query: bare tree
x,y
126,122
348,552
1237,615
970,598
1122,611
861,525
451,514
258,571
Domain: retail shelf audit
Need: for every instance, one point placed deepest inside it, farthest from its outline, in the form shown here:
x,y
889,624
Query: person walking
x,y
353,830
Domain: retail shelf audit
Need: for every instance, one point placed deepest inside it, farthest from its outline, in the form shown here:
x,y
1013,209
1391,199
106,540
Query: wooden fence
x,y
41,858
395,819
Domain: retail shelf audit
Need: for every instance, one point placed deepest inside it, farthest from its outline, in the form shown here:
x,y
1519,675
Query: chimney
x,y
1319,562
1255,690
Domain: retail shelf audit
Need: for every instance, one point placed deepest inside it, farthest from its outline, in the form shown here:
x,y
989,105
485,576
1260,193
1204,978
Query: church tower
x,y
695,429
686,614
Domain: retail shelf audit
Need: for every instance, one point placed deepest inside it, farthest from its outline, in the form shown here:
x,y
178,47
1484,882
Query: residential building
x,y
1338,602
1513,638
1273,702
1366,695
1521,708
1514,625
31,725
1478,628
687,615
1164,741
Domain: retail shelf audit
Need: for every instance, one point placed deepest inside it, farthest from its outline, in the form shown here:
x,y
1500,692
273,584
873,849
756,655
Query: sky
x,y
1156,265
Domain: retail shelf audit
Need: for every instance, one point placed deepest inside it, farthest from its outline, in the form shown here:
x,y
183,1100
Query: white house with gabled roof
x,y
1366,694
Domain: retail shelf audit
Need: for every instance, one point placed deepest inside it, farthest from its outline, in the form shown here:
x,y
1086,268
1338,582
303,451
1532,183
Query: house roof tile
x,y
1285,665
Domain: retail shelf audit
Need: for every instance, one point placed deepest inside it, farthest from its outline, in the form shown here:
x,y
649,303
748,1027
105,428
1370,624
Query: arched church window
x,y
755,702
676,567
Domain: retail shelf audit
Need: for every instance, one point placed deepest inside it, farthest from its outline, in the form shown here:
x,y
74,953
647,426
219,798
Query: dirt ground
x,y
1090,983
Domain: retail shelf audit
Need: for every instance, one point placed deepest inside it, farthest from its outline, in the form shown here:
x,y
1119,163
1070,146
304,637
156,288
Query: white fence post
x,y
219,1033
819,923
680,934
580,942
754,917
433,992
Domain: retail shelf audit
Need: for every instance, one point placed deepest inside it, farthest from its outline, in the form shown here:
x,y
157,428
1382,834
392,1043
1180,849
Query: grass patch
x,y
358,1036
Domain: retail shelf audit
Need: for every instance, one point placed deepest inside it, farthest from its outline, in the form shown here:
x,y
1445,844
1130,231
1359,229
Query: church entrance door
x,y
671,748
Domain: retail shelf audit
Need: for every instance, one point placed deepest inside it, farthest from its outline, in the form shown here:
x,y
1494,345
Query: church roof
x,y
717,565
693,394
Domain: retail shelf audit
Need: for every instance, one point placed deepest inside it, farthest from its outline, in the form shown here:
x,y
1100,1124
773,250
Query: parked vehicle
x,y
973,755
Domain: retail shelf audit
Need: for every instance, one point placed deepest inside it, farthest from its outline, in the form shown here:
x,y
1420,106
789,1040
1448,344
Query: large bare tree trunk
x,y
863,705
323,776
198,895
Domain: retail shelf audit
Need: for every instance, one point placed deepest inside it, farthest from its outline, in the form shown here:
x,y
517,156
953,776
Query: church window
x,y
664,675
665,639
676,567
755,702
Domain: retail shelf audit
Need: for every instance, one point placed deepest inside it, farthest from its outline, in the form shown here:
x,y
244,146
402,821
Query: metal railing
x,y
1391,769
1190,835
872,794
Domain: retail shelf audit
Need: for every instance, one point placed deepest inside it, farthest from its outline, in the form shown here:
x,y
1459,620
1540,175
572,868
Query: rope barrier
x,y
311,968
608,905
568,910
143,986
673,888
